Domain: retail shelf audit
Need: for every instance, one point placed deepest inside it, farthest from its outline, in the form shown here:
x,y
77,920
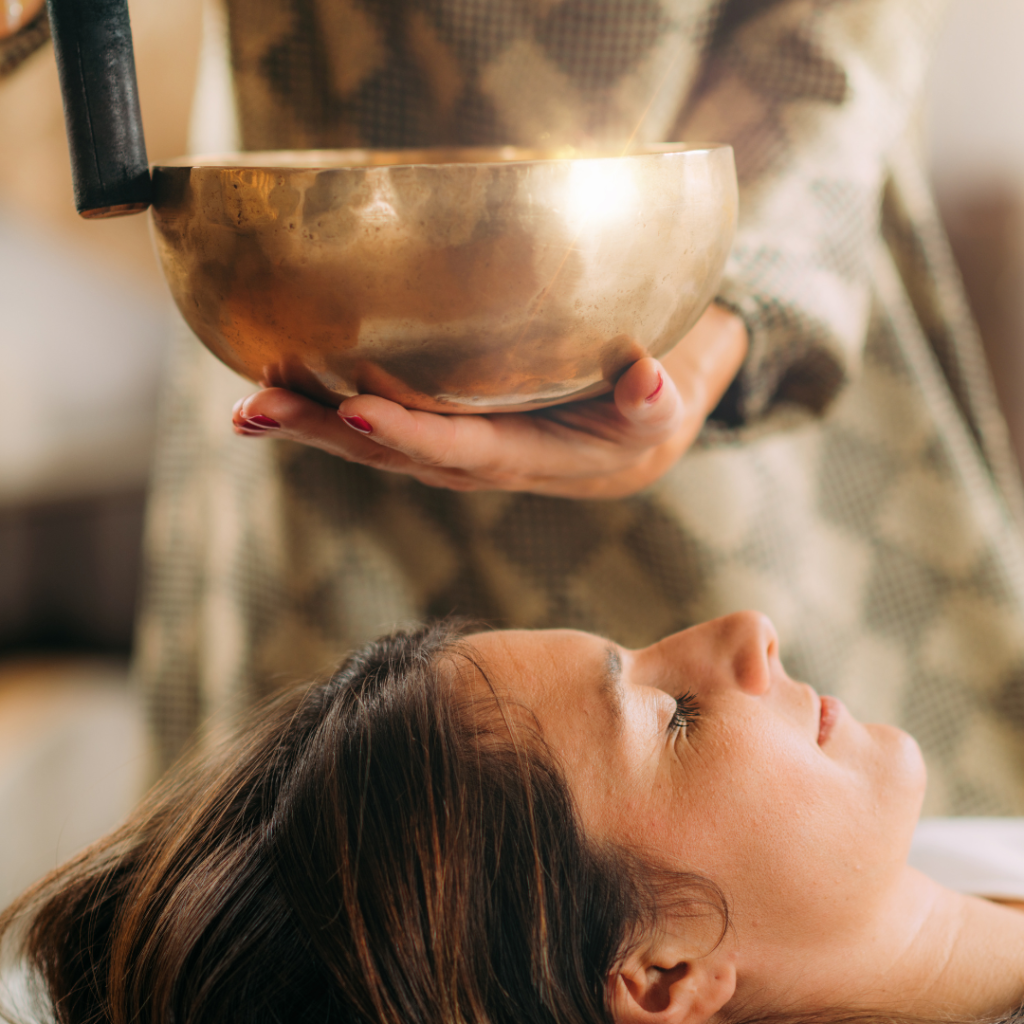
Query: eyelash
x,y
686,713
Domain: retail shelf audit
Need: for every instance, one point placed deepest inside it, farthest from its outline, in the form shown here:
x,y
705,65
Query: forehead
x,y
576,690
552,670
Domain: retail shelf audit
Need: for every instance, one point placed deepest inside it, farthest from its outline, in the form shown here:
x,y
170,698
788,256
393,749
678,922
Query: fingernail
x,y
358,423
261,421
657,391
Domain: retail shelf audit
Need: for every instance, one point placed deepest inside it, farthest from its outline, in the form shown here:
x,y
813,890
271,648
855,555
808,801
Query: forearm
x,y
813,95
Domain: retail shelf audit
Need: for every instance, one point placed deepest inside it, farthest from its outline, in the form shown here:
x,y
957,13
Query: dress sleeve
x,y
812,95
16,49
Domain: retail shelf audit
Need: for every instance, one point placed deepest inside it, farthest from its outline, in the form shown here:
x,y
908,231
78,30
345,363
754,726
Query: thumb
x,y
647,397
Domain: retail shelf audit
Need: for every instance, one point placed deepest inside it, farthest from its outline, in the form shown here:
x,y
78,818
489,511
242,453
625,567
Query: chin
x,y
904,777
911,760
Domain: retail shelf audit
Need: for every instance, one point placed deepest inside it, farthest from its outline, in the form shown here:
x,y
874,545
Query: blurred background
x,y
84,321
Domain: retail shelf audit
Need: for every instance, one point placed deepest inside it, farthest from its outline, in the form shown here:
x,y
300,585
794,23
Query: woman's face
x,y
799,812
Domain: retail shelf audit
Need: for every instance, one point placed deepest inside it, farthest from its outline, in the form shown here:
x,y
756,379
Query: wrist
x,y
702,366
707,360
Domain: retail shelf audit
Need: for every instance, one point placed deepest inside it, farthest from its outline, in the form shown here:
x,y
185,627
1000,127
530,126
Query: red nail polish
x,y
358,423
262,421
657,391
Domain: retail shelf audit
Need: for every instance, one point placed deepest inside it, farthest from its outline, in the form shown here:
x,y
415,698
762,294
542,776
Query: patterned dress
x,y
855,483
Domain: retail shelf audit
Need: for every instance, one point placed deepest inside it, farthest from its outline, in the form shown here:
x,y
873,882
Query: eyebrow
x,y
611,685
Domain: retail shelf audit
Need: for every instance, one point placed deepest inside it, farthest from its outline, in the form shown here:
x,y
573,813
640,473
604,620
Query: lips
x,y
830,708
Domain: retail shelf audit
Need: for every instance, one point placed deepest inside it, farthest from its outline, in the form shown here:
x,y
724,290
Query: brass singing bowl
x,y
468,280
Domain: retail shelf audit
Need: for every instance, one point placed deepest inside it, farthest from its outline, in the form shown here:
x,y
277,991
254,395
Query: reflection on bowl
x,y
465,280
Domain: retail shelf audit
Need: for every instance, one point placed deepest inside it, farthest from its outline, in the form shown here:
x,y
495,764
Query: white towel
x,y
981,856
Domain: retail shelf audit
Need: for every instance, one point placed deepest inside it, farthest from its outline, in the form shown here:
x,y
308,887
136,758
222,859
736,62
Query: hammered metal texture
x,y
470,280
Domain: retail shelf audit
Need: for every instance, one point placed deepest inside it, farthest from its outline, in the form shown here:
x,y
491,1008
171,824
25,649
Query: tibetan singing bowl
x,y
462,280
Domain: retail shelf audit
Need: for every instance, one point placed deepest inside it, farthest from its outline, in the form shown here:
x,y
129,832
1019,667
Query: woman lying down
x,y
528,827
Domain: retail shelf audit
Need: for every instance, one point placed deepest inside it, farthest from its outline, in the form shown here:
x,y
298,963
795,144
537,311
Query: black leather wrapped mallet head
x,y
93,44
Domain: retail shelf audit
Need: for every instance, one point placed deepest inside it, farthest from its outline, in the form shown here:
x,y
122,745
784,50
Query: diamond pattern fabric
x,y
856,485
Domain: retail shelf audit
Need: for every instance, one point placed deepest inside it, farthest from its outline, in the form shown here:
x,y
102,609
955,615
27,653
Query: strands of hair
x,y
374,848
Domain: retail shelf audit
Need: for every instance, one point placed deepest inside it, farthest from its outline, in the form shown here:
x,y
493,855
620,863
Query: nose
x,y
750,643
736,650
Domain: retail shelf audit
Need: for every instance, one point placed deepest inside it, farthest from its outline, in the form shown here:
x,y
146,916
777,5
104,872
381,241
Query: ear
x,y
659,986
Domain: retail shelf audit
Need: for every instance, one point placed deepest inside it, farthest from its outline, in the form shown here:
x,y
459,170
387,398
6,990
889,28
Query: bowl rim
x,y
367,158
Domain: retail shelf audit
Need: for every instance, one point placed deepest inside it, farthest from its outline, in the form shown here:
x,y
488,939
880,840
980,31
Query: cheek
x,y
795,839
740,804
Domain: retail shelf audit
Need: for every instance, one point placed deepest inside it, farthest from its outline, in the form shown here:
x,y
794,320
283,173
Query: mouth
x,y
830,708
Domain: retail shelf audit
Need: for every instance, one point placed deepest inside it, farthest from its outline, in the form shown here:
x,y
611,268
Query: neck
x,y
964,955
932,953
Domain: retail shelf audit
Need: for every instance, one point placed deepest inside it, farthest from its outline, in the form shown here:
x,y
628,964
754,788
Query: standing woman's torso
x,y
315,74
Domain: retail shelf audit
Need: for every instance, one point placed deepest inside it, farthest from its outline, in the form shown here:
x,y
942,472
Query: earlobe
x,y
684,993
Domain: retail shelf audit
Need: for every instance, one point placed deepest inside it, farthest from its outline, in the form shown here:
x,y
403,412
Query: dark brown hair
x,y
378,848
373,848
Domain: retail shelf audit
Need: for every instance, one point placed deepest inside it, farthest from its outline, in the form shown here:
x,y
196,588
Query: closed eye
x,y
686,713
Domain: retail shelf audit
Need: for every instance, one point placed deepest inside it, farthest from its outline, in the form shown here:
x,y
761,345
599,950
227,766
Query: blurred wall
x,y
975,122
72,761
84,321
35,176
975,131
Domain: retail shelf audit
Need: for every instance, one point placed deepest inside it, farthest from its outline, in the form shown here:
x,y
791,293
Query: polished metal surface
x,y
453,280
